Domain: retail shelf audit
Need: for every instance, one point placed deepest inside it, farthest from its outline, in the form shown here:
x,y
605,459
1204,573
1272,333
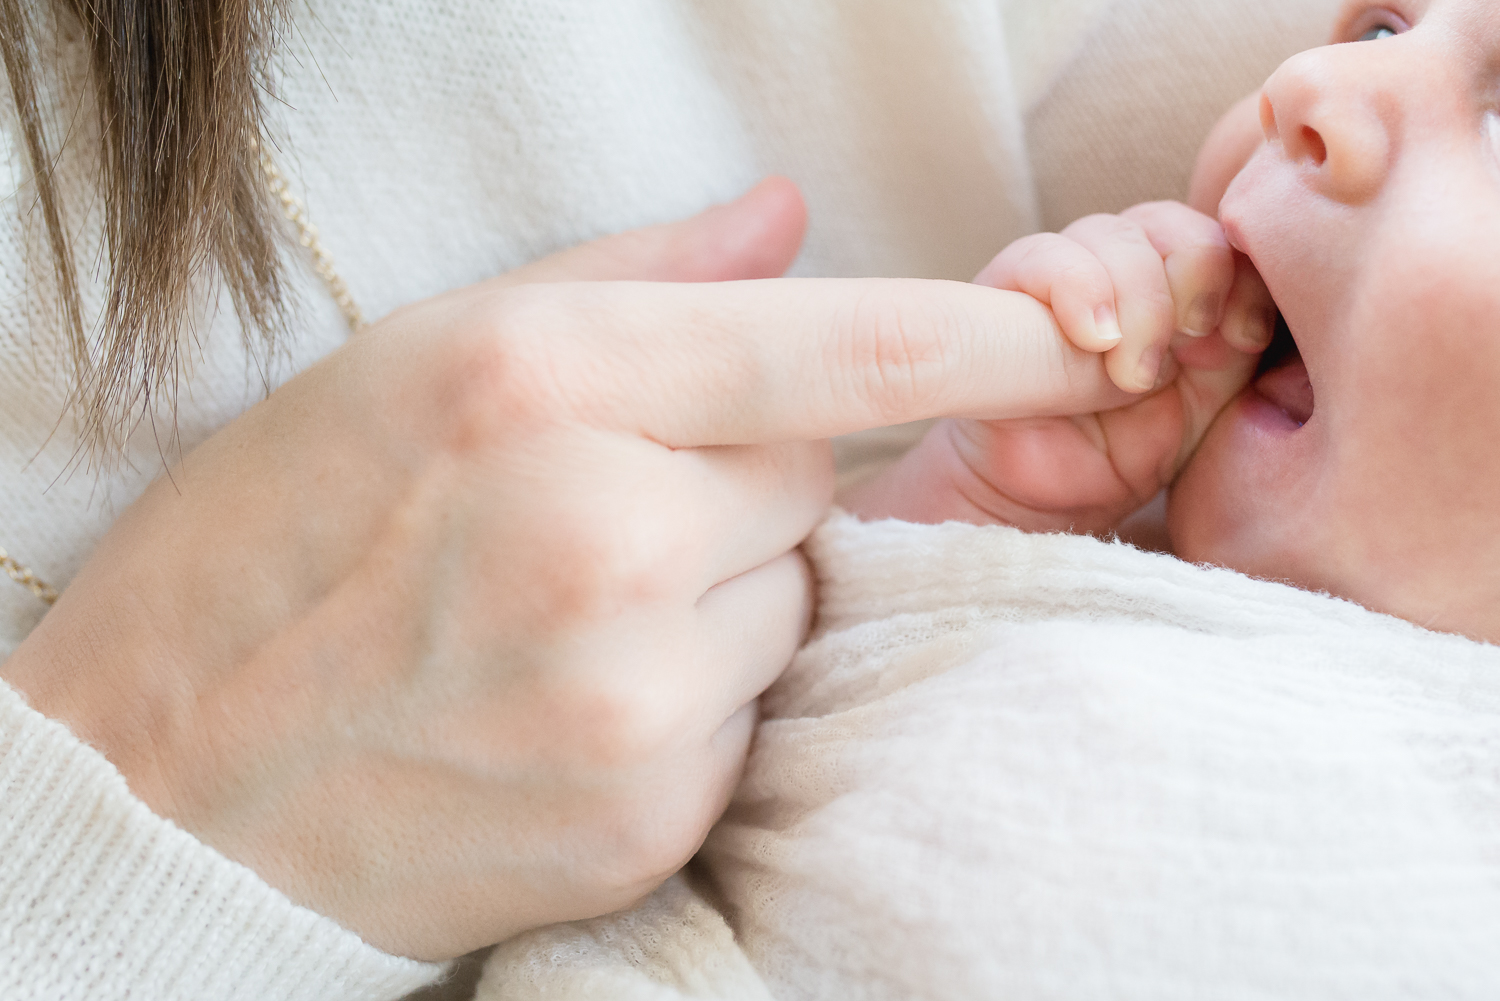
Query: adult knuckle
x,y
615,565
660,838
897,352
510,363
658,832
627,719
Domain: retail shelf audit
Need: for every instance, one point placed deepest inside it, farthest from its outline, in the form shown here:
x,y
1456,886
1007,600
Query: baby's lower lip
x,y
1288,389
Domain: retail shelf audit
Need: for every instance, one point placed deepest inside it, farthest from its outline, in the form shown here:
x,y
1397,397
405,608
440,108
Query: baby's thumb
x,y
755,236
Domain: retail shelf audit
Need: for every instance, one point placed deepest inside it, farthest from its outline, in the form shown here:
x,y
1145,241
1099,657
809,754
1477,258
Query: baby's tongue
x,y
1287,387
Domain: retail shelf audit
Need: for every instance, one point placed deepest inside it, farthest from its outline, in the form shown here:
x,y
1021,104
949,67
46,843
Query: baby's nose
x,y
1325,107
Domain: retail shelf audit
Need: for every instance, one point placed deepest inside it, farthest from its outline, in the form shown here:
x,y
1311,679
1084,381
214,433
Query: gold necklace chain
x,y
22,575
307,235
322,261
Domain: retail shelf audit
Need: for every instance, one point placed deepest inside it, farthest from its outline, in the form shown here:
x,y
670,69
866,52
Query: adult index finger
x,y
794,359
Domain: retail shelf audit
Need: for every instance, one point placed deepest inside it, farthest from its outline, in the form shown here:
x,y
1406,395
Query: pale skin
x,y
1370,203
459,633
1159,291
389,642
1361,189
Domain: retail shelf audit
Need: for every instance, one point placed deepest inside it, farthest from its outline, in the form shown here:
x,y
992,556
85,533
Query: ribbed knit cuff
x,y
102,899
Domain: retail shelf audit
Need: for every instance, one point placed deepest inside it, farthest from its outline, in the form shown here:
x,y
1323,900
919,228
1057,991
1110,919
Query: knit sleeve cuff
x,y
100,898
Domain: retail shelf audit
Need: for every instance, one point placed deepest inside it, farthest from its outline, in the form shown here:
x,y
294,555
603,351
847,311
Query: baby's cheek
x,y
1196,521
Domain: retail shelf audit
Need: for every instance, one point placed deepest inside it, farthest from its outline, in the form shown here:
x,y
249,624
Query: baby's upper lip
x,y
1237,201
1236,238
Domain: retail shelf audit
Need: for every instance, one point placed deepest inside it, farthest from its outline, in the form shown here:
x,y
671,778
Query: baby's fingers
x,y
1199,262
1250,316
1062,274
1143,297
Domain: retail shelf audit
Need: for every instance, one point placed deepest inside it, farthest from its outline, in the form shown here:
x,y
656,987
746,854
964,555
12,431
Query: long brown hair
x,y
179,87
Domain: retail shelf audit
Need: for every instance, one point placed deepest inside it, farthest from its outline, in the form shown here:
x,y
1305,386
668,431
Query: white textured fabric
x,y
671,947
437,142
1023,767
102,899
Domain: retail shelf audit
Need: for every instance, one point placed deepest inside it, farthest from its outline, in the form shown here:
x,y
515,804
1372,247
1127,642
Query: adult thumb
x,y
755,236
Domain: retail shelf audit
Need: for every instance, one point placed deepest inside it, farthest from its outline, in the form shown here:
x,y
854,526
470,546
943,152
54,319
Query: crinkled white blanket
x,y
1021,766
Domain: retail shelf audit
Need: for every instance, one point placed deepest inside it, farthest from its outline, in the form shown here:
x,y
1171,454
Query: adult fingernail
x,y
1202,315
1107,326
1149,367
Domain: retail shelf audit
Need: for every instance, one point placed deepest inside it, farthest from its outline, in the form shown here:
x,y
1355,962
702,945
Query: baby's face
x,y
1370,204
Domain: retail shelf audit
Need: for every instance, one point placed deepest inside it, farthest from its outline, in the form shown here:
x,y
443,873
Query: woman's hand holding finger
x,y
455,634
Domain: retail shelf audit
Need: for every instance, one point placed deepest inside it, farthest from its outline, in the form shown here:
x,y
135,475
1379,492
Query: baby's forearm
x,y
913,488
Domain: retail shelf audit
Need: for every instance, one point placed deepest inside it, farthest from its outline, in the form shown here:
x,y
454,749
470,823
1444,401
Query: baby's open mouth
x,y
1282,377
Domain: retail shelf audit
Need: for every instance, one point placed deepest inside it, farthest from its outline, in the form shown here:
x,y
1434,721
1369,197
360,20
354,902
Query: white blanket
x,y
1019,766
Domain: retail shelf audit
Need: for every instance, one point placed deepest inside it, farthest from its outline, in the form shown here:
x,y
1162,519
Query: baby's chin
x,y
1199,528
1222,511
1232,508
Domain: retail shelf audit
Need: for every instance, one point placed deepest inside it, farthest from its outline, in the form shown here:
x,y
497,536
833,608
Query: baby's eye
x,y
1372,23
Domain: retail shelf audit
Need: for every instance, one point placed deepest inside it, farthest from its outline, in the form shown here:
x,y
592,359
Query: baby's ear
x,y
1229,147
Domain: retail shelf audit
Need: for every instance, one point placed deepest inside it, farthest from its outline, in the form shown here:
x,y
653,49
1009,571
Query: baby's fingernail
x,y
1107,326
1258,330
1250,332
1149,367
1265,330
1166,372
1202,316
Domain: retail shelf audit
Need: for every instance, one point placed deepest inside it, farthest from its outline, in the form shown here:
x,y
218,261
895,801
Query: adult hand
x,y
459,632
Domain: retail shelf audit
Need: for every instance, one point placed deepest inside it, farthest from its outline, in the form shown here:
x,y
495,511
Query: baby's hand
x,y
1158,291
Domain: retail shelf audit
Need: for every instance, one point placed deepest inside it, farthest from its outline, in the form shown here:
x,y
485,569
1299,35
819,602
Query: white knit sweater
x,y
438,143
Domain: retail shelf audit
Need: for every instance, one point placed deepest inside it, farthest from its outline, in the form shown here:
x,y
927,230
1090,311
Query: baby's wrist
x,y
928,486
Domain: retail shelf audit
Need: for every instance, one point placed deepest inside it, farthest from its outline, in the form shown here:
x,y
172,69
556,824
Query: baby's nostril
x,y
1314,144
